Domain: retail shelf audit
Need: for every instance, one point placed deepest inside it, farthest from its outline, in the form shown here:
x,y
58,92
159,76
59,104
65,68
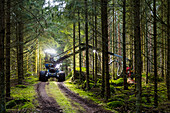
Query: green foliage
x,y
118,82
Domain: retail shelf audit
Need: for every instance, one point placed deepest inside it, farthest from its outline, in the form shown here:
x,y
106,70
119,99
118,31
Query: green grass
x,y
23,95
66,104
87,95
84,94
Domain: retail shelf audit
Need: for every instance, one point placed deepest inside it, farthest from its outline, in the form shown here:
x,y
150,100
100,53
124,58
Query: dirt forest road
x,y
49,105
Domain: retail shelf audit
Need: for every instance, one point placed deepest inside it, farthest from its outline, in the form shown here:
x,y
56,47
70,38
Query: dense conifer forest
x,y
116,51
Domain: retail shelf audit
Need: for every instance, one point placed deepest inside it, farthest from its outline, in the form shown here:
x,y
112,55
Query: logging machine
x,y
53,69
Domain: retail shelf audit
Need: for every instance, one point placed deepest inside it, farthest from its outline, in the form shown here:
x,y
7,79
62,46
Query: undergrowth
x,y
23,96
123,100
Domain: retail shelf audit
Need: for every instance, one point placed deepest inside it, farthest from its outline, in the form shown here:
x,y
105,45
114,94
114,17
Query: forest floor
x,y
34,96
48,104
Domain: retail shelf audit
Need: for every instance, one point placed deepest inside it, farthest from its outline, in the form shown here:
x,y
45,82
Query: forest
x,y
115,51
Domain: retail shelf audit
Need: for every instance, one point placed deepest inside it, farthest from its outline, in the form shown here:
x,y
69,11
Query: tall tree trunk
x,y
2,77
162,35
168,55
113,34
93,22
103,50
147,52
27,62
74,55
119,40
39,56
20,52
8,32
87,43
105,47
95,76
138,59
36,57
80,78
155,55
124,46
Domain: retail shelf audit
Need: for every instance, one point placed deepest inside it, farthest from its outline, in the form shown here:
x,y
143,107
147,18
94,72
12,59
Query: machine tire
x,y
61,77
41,73
42,76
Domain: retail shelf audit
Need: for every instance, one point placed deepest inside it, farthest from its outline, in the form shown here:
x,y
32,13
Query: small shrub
x,y
14,103
118,82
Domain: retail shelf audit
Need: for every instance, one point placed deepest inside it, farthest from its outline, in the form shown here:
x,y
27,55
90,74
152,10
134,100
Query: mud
x,y
47,104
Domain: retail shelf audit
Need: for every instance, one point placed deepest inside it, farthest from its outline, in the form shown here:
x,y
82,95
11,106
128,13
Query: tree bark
x,y
2,77
80,78
8,32
105,47
87,43
168,55
147,52
113,34
138,59
124,46
95,76
20,52
155,55
74,55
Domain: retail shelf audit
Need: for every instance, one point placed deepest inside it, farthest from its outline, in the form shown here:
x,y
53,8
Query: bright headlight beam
x,y
57,66
50,51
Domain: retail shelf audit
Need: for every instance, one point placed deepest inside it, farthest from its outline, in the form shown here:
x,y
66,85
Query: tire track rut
x,y
47,104
88,105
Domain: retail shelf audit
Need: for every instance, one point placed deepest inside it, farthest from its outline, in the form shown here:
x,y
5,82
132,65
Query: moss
x,y
24,95
118,82
115,104
16,102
